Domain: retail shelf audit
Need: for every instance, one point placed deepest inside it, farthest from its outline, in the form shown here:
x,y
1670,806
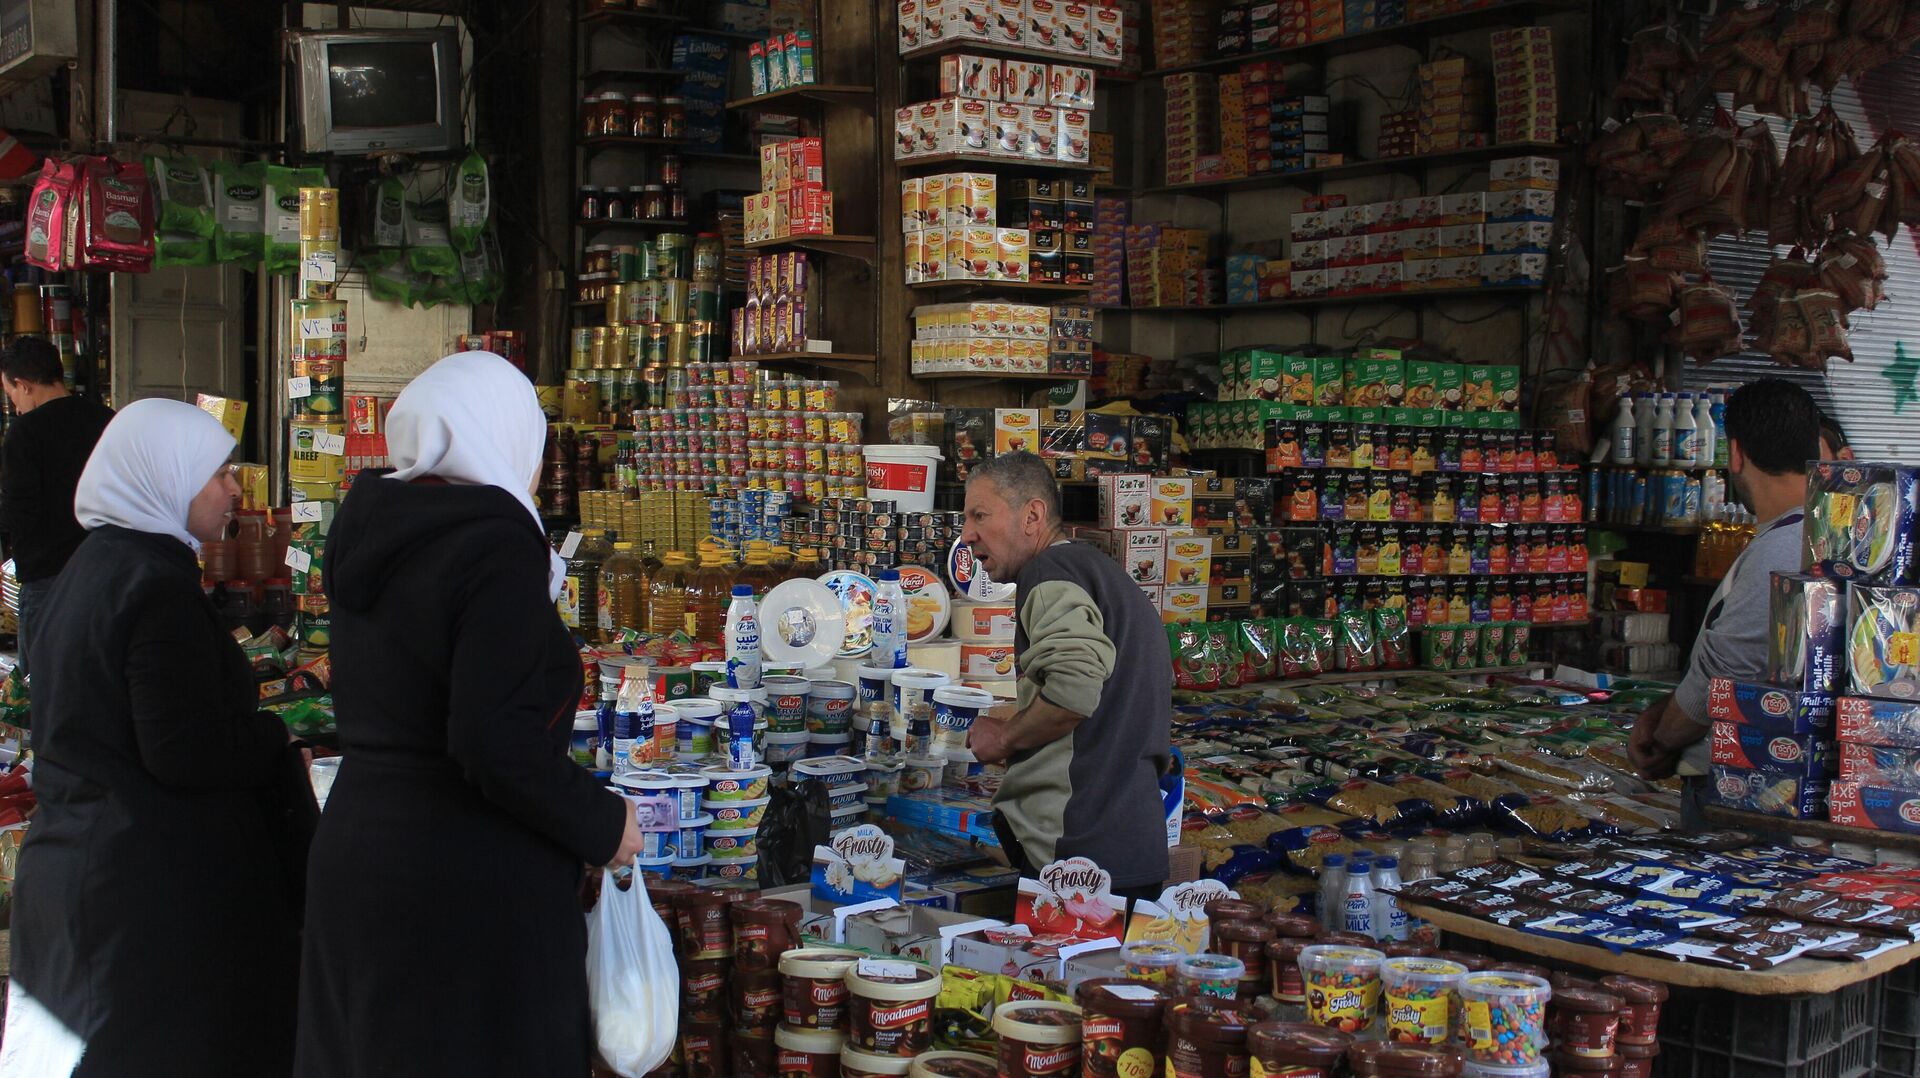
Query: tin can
x,y
656,350
705,303
28,314
674,254
326,385
677,344
675,299
581,355
619,346
56,309
319,329
1673,497
319,269
320,214
616,302
306,462
700,350
643,302
709,255
597,351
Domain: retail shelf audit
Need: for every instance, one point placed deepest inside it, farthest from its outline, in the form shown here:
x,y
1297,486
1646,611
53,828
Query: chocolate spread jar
x,y
1640,1007
1295,1050
763,930
1378,1059
808,1053
703,989
1120,1027
1636,1060
703,1050
814,991
953,1065
1584,1023
891,1007
857,1064
1293,925
1283,968
706,929
1232,909
1247,941
757,999
1205,1041
1038,1040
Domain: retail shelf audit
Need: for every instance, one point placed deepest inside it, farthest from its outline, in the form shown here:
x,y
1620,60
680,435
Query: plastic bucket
x,y
954,709
904,473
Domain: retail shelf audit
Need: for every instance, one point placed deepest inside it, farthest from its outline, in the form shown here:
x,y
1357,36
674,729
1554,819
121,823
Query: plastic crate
x,y
1708,1035
1900,1002
1898,1056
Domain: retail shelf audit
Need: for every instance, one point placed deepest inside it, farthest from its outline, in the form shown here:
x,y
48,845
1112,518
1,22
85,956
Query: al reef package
x,y
1883,642
1809,633
1861,520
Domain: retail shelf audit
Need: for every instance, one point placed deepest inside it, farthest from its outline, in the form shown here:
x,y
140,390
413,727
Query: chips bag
x,y
468,206
429,247
239,211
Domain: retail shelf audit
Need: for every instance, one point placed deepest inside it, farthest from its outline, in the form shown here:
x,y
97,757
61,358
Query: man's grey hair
x,y
1021,477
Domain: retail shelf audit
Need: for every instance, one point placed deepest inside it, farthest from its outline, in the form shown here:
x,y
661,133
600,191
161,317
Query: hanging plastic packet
x,y
185,194
1805,648
469,204
1861,521
1883,642
281,226
481,272
1357,646
1390,633
1259,645
116,217
387,227
239,195
429,247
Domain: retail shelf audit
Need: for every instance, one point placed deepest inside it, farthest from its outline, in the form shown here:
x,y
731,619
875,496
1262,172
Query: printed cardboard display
x,y
858,865
1071,898
1178,917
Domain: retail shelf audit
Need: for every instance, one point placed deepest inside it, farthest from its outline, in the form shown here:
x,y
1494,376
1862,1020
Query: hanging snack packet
x,y
1259,642
387,235
185,195
1883,642
468,206
281,225
1357,646
1861,521
117,217
394,284
1390,632
239,211
182,249
481,273
429,248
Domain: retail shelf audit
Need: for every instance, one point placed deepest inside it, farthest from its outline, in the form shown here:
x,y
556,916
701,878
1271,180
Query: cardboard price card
x,y
1072,898
1179,916
858,866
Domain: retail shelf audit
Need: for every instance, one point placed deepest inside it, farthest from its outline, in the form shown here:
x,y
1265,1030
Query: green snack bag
x,y
394,284
1493,644
184,195
387,235
181,249
480,272
239,201
468,207
1437,645
429,248
282,225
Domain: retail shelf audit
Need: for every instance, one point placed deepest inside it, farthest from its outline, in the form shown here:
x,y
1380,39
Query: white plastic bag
x,y
633,985
38,1045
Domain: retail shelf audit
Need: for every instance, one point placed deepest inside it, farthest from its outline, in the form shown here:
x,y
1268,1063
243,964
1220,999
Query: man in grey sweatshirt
x,y
1086,741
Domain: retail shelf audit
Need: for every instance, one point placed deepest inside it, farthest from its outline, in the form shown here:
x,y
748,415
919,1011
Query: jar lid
x,y
1635,989
1233,909
1531,970
1211,967
1565,1062
854,1061
1339,957
1382,1059
1561,980
1038,1022
767,910
818,963
1294,925
1242,931
893,980
1151,954
1297,1043
1120,997
1411,970
1471,961
1286,949
1584,1001
953,1065
818,1042
1208,1023
1403,949
1636,1051
1491,985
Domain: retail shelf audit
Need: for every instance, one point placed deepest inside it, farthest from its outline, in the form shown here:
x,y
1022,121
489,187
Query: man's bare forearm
x,y
1040,723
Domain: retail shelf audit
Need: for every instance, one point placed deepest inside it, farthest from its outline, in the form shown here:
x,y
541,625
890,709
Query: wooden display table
x,y
1800,976
1742,820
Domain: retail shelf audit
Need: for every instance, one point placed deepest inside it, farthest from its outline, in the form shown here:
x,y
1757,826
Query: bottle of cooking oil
x,y
579,601
758,570
622,588
808,563
667,598
708,594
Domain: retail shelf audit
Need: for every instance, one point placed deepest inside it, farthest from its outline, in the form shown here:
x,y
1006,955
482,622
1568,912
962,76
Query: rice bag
x,y
1805,650
52,214
116,204
1861,520
281,225
429,247
1883,642
185,195
239,211
468,205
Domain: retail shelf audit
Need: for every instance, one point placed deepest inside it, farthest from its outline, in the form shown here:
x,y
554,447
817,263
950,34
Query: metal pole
x,y
106,73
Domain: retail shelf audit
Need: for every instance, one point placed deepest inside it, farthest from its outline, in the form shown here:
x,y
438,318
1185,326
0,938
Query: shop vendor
x,y
1086,740
1773,430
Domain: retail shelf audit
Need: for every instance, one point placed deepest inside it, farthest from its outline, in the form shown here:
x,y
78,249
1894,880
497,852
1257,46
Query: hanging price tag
x,y
570,544
318,269
299,560
305,512
332,444
300,387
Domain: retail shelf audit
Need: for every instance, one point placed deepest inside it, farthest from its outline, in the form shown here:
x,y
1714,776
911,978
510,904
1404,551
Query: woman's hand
x,y
629,840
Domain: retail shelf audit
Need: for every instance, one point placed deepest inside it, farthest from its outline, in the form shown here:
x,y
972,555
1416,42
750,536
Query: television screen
x,y
383,84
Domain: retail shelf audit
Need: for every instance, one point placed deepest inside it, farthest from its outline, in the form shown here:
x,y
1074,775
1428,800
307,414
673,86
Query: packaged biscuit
x,y
1879,765
1804,651
1879,808
1770,793
1769,707
1883,642
1877,722
1753,747
1861,521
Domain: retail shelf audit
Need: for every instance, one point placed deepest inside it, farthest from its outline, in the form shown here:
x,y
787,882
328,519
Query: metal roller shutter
x,y
1876,398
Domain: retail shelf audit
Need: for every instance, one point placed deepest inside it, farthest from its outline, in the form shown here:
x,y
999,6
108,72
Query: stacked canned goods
x,y
734,425
662,299
318,434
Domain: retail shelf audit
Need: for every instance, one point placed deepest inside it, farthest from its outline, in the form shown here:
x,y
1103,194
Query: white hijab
x,y
151,460
473,418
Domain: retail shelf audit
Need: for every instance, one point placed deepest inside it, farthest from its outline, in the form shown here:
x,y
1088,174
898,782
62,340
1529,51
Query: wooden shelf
x,y
631,74
1358,169
631,18
1411,34
1010,286
826,93
613,223
999,376
735,156
865,366
849,246
976,47
984,160
1422,294
1739,819
628,142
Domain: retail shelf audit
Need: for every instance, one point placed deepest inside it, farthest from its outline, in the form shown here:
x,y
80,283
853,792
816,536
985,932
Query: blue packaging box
x,y
1810,755
1880,808
1769,707
1861,522
1877,722
1806,650
1770,793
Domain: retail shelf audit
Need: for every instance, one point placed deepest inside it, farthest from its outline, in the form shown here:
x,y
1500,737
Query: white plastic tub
x,y
904,473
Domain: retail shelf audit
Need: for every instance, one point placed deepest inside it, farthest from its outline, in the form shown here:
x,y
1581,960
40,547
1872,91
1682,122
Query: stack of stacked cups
x,y
913,728
985,633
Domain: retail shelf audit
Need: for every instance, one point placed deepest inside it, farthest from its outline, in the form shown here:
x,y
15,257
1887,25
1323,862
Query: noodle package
x,y
1861,522
1807,642
1883,642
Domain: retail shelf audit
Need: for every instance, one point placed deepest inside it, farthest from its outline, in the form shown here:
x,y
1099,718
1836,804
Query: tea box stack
x,y
1527,97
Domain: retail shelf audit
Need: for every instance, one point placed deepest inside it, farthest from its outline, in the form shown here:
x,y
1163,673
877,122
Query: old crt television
x,y
378,91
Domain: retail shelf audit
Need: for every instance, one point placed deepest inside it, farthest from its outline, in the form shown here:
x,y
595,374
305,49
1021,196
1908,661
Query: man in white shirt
x,y
1773,430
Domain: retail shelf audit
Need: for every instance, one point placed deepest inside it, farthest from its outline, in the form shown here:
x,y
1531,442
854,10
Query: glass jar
x,y
590,203
613,114
637,202
644,115
673,118
670,170
590,115
614,205
677,203
654,202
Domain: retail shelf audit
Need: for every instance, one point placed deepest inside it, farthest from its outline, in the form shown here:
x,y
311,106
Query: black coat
x,y
445,935
157,907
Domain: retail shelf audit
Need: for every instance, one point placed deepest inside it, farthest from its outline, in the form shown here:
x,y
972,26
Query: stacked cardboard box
x,y
1248,26
1071,349
1059,214
1145,522
1093,30
1166,266
1258,121
793,198
1110,219
1181,32
1772,742
980,127
1399,134
1453,106
1191,128
1119,374
981,337
1527,97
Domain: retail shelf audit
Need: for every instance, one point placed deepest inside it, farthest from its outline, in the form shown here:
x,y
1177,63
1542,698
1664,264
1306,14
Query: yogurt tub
x,y
883,780
654,784
655,845
987,660
832,770
830,706
923,773
708,674
691,868
961,766
693,837
655,868
857,1064
953,1065
821,673
729,845
809,1051
785,748
729,786
954,709
773,669
847,796
786,704
693,733
873,687
890,1007
814,987
824,745
736,816
913,691
1038,1039
585,745
735,869
692,789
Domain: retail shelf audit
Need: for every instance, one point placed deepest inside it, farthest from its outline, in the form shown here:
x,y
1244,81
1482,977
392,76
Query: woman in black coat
x,y
157,911
444,933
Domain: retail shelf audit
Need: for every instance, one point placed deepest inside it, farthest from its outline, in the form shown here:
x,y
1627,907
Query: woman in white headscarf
x,y
157,911
444,933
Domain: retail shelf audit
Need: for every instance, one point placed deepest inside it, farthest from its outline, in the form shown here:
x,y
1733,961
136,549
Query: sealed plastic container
x,y
1215,975
857,1064
1566,1064
756,998
1296,1049
728,845
1506,1017
922,774
953,1065
1379,1059
883,780
1120,1027
1636,1060
1205,1041
809,1051
1343,985
692,841
1640,1010
830,707
786,704
1151,963
1584,1023
706,925
1247,941
1283,971
1221,910
782,749
815,987
832,770
1421,996
763,930
736,816
1038,1039
891,1005
735,869
736,786
820,746
692,868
